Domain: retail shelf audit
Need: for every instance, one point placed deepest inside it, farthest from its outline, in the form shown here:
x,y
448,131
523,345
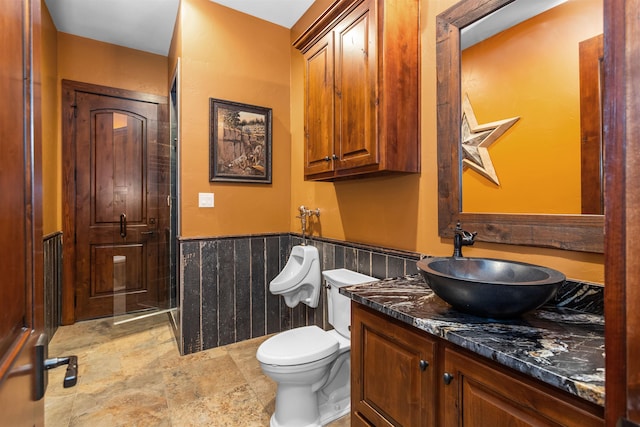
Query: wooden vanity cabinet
x,y
361,93
393,372
458,388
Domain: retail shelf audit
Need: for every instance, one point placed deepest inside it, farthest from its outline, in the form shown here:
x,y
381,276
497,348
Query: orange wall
x,y
98,63
532,72
232,56
51,152
402,212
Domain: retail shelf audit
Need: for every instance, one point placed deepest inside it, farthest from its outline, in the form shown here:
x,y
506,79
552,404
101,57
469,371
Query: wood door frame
x,y
622,206
69,89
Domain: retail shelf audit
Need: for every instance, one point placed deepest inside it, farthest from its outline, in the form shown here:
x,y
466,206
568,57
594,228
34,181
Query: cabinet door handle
x,y
447,377
424,365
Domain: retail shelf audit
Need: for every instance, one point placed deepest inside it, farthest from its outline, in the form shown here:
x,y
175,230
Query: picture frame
x,y
239,142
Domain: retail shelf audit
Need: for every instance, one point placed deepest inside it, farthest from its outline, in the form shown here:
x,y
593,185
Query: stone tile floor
x,y
133,375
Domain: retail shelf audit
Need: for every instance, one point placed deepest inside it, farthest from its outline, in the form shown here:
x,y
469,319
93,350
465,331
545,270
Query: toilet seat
x,y
297,346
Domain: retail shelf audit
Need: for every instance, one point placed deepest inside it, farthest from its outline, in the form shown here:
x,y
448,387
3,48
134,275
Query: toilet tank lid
x,y
344,277
297,346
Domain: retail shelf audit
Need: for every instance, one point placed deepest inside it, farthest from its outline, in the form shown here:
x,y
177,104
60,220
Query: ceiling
x,y
147,25
506,17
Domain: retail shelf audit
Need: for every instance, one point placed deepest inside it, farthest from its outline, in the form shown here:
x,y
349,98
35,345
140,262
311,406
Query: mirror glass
x,y
531,116
498,108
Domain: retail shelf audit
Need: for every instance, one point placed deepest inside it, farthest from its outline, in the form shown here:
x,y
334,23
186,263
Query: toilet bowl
x,y
312,366
299,280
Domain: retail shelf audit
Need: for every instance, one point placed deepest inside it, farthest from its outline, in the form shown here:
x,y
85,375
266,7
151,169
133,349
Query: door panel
x,y
117,206
356,73
319,93
119,165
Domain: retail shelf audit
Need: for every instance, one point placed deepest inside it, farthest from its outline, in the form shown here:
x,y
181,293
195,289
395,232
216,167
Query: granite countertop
x,y
560,346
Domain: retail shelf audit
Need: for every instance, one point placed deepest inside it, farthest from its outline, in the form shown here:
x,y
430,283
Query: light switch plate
x,y
205,200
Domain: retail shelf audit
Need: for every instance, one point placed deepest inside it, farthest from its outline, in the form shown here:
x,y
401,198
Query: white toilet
x,y
310,365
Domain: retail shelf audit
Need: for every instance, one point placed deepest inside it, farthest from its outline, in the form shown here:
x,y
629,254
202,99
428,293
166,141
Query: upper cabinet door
x,y
318,95
356,94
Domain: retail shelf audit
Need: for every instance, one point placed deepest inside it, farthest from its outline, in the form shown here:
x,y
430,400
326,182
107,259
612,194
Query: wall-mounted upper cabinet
x,y
362,90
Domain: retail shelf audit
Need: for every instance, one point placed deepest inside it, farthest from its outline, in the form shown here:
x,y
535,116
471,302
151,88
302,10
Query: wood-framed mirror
x,y
569,231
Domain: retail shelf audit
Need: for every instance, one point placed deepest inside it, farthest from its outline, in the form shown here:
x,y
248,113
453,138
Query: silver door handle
x,y
43,364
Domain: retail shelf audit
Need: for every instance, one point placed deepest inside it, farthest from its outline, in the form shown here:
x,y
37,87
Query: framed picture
x,y
240,142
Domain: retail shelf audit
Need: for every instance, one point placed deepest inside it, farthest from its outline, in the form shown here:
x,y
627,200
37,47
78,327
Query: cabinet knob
x,y
334,157
447,377
327,158
423,365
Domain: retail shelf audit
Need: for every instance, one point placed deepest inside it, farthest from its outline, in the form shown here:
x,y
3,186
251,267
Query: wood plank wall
x,y
225,285
52,246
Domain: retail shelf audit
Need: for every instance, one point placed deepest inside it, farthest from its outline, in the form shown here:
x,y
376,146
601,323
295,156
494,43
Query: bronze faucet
x,y
462,238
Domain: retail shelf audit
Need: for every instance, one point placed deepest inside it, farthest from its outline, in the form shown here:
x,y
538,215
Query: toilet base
x,y
303,414
326,419
328,415
313,408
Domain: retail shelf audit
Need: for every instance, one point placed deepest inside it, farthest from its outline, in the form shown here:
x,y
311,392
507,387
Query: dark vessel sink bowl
x,y
490,287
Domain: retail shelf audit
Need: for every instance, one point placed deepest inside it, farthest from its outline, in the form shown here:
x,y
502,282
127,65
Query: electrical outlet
x,y
205,200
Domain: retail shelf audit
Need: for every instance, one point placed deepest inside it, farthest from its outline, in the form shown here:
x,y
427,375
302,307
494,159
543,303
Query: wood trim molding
x,y
622,206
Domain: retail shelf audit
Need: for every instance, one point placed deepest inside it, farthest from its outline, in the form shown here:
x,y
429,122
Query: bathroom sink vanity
x,y
415,361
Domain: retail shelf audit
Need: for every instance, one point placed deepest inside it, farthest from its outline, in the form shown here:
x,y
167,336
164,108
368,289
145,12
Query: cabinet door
x,y
356,88
318,94
393,372
479,395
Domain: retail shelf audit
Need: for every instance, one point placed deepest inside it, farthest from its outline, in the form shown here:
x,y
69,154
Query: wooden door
x,y
356,88
116,205
21,311
319,104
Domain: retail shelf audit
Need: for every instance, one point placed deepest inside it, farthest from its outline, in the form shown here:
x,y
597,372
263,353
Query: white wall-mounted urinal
x,y
300,279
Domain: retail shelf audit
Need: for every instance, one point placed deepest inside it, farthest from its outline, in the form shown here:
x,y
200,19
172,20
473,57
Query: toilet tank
x,y
339,306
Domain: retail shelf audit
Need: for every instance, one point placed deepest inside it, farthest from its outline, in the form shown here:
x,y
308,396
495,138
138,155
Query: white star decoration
x,y
477,138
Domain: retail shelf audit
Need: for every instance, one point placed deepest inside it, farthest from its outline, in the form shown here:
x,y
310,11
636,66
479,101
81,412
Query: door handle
x,y
43,364
123,225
